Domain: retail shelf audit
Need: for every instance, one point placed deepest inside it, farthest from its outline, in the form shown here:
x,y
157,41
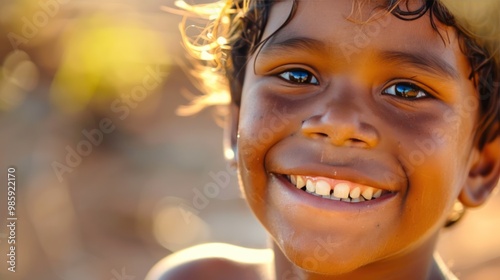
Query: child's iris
x,y
406,90
299,76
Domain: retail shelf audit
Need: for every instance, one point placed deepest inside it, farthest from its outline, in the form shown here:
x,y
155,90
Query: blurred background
x,y
109,179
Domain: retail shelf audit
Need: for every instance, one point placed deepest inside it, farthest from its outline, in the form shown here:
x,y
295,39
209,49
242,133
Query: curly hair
x,y
235,28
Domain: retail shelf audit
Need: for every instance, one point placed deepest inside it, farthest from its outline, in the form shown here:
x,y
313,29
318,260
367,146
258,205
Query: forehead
x,y
352,30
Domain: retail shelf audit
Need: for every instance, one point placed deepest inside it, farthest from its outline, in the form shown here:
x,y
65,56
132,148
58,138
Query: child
x,y
355,127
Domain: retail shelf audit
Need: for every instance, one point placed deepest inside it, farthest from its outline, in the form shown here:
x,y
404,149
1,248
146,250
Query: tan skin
x,y
342,118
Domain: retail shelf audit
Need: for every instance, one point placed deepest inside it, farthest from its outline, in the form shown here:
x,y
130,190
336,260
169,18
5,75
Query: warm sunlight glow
x,y
103,58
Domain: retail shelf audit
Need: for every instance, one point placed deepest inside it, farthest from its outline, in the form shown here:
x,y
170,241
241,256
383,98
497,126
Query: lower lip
x,y
290,194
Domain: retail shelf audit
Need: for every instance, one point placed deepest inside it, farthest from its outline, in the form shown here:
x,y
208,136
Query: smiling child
x,y
355,127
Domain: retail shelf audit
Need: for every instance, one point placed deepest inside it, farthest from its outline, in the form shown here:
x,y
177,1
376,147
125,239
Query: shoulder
x,y
214,261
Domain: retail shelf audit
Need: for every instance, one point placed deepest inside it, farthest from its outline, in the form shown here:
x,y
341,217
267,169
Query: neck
x,y
418,263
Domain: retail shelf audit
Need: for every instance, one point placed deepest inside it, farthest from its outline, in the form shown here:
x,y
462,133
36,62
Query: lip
x,y
342,173
299,197
365,167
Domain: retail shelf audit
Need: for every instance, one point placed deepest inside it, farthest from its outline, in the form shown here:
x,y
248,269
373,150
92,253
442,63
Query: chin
x,y
307,257
326,254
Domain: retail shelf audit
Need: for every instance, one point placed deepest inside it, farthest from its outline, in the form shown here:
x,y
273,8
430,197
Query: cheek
x,y
263,122
435,157
265,119
260,127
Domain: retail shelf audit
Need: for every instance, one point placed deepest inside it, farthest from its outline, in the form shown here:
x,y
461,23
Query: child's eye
x,y
299,76
406,90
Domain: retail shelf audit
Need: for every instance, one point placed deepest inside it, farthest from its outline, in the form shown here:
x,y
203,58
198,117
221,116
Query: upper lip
x,y
349,164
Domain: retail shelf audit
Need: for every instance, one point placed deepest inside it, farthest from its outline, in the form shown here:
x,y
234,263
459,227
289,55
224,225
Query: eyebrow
x,y
275,45
424,61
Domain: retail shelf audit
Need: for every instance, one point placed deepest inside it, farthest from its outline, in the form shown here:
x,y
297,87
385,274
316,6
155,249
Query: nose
x,y
345,122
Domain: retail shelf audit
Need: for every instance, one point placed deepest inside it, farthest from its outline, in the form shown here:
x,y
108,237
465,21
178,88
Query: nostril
x,y
318,135
340,131
355,140
357,143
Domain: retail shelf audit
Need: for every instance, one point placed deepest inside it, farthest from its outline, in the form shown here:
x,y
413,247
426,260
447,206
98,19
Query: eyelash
x,y
306,77
406,90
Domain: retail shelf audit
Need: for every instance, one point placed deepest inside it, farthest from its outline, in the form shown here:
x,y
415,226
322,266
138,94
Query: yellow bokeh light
x,y
104,56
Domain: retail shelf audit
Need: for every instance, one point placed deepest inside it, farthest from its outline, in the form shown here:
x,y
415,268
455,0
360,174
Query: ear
x,y
231,134
483,175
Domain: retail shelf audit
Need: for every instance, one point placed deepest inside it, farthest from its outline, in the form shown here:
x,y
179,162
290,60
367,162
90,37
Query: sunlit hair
x,y
233,32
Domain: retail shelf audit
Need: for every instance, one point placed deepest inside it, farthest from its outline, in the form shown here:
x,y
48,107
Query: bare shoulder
x,y
214,261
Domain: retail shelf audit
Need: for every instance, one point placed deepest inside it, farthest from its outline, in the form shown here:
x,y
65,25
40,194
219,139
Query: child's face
x,y
325,99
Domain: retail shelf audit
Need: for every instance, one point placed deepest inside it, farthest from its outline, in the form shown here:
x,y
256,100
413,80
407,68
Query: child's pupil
x,y
407,90
299,76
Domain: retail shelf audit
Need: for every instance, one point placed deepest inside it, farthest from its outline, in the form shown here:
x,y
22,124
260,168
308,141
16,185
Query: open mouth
x,y
339,190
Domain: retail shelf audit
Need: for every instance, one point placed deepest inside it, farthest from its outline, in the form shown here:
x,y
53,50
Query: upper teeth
x,y
335,189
